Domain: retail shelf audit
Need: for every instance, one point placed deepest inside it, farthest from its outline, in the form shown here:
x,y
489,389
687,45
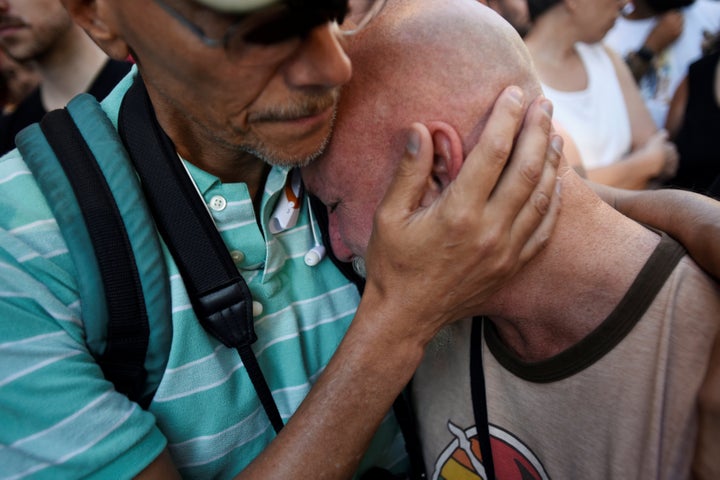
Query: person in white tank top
x,y
595,97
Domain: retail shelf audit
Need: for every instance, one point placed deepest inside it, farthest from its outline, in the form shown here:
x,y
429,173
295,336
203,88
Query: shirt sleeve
x,y
60,417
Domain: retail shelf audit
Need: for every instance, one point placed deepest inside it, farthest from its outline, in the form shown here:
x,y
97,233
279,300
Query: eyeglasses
x,y
290,19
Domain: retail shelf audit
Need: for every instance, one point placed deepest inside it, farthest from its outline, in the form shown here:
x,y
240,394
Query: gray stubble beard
x,y
442,341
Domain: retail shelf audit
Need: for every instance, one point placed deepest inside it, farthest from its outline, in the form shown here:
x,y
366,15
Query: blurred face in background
x,y
30,28
596,17
18,80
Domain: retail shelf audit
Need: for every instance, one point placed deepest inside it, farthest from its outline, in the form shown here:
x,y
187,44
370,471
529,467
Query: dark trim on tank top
x,y
608,334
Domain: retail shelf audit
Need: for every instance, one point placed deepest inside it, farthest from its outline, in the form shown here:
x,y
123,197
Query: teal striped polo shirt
x,y
59,417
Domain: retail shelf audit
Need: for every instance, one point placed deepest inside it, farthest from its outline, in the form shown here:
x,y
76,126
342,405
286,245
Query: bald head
x,y
420,60
423,60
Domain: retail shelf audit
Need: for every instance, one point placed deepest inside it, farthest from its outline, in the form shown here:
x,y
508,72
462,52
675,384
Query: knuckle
x,y
556,151
541,202
531,172
490,241
459,220
506,263
499,150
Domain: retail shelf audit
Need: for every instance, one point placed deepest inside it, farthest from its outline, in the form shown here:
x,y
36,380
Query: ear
x,y
447,160
448,152
97,18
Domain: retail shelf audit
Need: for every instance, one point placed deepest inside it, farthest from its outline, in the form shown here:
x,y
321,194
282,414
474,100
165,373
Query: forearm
x,y
639,65
691,218
632,172
329,433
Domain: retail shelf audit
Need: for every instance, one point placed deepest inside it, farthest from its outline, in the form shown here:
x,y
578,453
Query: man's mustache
x,y
307,107
11,22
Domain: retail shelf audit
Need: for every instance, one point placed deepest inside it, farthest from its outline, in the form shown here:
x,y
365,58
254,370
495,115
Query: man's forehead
x,y
236,6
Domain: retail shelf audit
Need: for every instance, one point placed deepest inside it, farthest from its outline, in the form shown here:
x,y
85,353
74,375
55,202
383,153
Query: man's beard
x,y
443,339
311,106
276,159
358,264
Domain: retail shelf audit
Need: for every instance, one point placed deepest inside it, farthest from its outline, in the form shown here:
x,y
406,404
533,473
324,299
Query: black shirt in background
x,y
698,141
31,109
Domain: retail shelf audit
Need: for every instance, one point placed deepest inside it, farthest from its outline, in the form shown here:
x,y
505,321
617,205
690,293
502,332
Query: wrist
x,y
639,61
645,53
643,56
393,319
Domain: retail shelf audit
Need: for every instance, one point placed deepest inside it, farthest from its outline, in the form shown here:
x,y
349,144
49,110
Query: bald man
x,y
602,356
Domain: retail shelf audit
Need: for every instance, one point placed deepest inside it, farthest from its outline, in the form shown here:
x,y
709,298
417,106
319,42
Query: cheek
x,y
355,226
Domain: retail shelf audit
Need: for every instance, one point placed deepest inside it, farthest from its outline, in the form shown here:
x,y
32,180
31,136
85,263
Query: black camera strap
x,y
479,396
219,295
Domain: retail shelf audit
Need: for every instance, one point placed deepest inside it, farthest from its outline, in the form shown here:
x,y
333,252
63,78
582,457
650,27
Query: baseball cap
x,y
236,6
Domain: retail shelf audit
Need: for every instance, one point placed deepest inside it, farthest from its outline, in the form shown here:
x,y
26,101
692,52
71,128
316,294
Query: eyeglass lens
x,y
298,18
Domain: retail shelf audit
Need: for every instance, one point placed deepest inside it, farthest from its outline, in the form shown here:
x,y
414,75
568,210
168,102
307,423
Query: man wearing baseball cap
x,y
240,92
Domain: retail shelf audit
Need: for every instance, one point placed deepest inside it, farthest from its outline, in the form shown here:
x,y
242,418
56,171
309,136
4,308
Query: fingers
x,y
541,235
411,177
529,161
539,215
662,134
486,161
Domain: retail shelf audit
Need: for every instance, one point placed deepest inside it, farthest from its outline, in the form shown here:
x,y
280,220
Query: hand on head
x,y
495,216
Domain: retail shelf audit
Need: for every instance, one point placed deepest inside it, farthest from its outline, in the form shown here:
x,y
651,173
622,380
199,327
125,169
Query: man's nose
x,y
320,60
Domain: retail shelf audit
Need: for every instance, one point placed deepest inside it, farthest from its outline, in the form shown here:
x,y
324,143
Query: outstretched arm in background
x,y
691,218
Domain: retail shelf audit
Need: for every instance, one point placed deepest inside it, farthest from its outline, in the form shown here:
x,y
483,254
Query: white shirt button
x,y
237,256
218,203
257,309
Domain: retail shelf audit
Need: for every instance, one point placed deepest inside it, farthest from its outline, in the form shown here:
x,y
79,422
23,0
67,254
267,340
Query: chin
x,y
302,156
281,158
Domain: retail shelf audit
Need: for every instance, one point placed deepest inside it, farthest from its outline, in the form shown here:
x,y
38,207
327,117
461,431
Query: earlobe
x,y
448,152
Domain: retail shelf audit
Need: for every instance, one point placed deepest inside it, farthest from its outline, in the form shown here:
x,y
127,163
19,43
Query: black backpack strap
x,y
220,297
479,397
127,330
405,415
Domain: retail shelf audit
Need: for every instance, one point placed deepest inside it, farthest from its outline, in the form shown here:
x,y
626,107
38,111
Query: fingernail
x,y
516,94
413,143
557,144
547,106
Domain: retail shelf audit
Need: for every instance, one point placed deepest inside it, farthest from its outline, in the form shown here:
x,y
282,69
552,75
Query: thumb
x,y
413,173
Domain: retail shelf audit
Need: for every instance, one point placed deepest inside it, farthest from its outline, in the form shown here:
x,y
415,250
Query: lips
x,y
10,24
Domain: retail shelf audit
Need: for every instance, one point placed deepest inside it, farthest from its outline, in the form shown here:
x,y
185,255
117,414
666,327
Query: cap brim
x,y
236,6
